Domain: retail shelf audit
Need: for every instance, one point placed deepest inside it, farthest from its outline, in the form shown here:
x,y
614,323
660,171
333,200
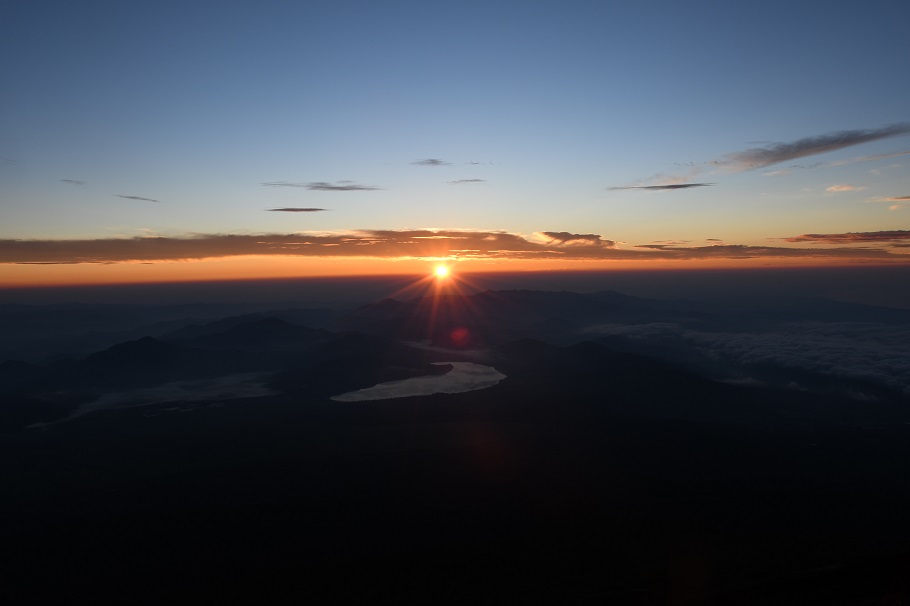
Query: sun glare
x,y
441,271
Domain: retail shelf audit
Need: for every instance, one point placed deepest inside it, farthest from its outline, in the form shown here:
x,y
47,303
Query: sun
x,y
441,272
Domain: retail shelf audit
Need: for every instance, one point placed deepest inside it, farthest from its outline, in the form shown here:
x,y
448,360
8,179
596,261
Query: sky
x,y
209,140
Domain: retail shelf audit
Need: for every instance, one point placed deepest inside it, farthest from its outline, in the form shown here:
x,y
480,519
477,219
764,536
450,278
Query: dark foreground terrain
x,y
588,475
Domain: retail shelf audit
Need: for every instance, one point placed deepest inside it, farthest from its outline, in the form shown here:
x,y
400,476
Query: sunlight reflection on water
x,y
464,376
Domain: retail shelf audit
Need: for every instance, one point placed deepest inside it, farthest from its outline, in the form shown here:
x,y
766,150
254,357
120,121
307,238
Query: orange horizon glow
x,y
275,267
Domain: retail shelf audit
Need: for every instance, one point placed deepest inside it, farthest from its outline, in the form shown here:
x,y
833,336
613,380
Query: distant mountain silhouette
x,y
589,378
496,317
143,362
353,361
545,339
297,317
140,353
265,334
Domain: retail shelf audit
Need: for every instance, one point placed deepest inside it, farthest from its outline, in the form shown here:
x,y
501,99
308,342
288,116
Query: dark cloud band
x,y
566,238
136,198
760,157
425,243
295,210
671,187
853,237
322,185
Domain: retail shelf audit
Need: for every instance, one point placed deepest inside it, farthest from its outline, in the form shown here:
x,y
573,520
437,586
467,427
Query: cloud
x,y
742,251
846,161
431,162
456,181
760,157
564,238
891,199
295,210
72,181
851,350
52,262
136,198
665,187
323,186
853,237
896,202
774,153
844,187
878,172
418,243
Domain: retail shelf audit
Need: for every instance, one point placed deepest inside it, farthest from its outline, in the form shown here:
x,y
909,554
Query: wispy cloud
x,y
878,172
136,198
457,181
431,162
891,199
843,187
775,153
285,184
742,251
323,185
564,238
72,181
672,186
854,237
854,160
760,157
430,244
295,210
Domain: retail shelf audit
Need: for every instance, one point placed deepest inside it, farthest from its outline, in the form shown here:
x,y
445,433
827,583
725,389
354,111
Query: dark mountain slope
x,y
143,362
491,318
352,361
268,333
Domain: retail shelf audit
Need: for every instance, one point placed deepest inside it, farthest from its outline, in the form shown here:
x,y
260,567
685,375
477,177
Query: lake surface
x,y
464,376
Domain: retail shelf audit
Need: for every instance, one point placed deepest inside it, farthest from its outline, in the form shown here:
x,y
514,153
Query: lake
x,y
464,376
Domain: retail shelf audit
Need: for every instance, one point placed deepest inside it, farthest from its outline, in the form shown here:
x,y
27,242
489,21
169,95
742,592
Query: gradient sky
x,y
137,138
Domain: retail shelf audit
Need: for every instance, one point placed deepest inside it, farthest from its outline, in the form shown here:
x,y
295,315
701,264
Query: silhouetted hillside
x,y
352,361
143,362
264,334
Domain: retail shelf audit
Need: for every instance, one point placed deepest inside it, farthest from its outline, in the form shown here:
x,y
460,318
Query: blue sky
x,y
536,110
